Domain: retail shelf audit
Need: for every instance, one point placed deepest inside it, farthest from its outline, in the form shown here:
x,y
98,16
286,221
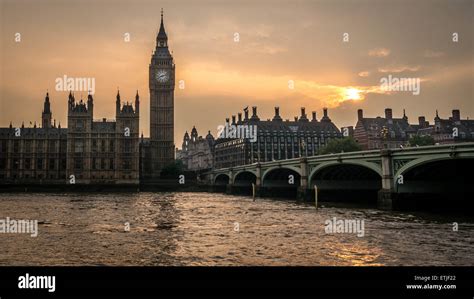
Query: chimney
x,y
239,117
325,117
388,113
360,114
296,118
421,121
303,115
314,116
456,115
277,114
227,120
254,113
233,119
246,112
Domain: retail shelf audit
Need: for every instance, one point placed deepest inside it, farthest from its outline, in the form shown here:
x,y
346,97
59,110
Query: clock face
x,y
162,76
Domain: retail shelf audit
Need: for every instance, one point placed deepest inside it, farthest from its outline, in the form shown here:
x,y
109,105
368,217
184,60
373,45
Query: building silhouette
x,y
389,132
450,130
276,139
197,152
91,151
158,150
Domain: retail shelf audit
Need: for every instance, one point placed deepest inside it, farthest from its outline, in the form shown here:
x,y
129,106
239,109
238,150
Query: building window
x,y
79,124
28,146
3,146
52,164
79,146
39,163
127,146
78,163
52,146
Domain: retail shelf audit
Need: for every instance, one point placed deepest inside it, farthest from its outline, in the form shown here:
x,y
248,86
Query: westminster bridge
x,y
391,176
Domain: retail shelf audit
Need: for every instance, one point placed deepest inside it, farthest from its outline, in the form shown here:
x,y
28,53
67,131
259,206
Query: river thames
x,y
209,229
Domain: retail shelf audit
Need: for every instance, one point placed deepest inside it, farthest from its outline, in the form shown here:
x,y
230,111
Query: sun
x,y
353,94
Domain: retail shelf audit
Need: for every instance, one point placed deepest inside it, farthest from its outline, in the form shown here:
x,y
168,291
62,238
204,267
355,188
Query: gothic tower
x,y
161,83
46,116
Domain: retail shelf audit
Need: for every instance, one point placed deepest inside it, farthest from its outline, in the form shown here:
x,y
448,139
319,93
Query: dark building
x,y
275,139
451,130
36,154
159,148
389,132
104,151
383,132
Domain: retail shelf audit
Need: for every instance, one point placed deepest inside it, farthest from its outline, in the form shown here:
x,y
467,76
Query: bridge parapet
x,y
389,164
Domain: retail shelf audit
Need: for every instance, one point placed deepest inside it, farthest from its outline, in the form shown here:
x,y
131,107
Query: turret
x,y
90,104
46,116
194,134
162,38
185,141
117,103
137,103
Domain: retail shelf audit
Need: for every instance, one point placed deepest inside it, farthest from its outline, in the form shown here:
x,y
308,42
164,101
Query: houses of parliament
x,y
91,151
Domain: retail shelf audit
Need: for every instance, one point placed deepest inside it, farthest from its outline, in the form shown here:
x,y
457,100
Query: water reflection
x,y
216,229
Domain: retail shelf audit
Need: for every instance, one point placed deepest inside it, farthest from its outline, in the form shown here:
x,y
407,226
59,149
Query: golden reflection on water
x,y
173,229
358,254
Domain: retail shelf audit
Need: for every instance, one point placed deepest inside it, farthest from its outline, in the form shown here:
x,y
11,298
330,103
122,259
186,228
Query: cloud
x,y
379,52
433,54
364,74
399,69
215,81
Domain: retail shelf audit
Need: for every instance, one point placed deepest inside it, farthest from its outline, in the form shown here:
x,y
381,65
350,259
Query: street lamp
x,y
384,133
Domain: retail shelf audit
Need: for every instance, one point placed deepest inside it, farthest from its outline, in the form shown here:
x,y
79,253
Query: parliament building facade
x,y
93,151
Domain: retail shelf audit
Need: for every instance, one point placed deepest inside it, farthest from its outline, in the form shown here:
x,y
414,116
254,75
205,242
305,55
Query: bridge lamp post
x,y
384,133
302,148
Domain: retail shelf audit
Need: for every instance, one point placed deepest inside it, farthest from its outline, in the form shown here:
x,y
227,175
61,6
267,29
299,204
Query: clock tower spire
x,y
161,83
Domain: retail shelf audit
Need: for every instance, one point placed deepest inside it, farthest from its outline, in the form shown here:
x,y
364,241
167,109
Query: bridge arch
x,y
297,170
372,166
245,173
245,177
221,179
442,171
355,182
281,182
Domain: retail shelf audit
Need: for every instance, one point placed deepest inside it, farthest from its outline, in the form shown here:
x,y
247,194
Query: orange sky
x,y
279,42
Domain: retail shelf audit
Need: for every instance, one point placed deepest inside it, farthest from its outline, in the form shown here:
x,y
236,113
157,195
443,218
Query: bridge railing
x,y
359,154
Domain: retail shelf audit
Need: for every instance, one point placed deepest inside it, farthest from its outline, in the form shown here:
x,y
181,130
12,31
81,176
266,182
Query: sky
x,y
234,54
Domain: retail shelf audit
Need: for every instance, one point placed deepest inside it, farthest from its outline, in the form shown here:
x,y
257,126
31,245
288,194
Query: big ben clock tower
x,y
161,82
